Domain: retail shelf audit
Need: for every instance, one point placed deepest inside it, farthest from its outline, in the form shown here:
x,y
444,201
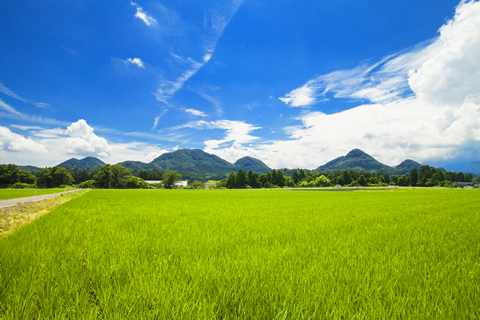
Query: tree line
x,y
119,177
109,176
427,177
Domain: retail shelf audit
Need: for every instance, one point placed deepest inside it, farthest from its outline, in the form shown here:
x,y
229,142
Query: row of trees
x,y
427,177
11,175
119,177
242,180
109,176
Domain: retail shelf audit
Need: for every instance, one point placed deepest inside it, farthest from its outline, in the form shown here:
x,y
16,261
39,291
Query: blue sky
x,y
293,83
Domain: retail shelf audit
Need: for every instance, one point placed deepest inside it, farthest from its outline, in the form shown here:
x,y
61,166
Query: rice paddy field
x,y
247,254
6,194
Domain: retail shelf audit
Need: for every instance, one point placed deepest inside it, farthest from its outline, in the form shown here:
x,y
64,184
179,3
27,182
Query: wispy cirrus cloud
x,y
143,15
379,82
196,113
168,88
8,108
26,128
12,94
216,18
15,115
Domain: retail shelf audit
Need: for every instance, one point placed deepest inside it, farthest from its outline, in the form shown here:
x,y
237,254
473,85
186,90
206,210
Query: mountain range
x,y
183,160
357,160
202,163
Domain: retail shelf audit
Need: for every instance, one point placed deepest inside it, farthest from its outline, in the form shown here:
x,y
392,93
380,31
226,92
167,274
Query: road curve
x,y
12,202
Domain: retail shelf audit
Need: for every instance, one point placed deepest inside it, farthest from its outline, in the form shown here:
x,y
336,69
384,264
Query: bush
x,y
21,185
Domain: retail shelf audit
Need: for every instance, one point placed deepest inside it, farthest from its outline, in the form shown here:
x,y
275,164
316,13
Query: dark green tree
x,y
296,176
11,174
362,181
231,181
413,177
241,179
279,180
60,176
44,178
169,179
135,183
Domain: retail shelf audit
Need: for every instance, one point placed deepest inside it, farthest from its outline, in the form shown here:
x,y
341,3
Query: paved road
x,y
12,202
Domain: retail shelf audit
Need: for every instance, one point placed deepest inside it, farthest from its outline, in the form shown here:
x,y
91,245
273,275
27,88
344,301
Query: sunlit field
x,y
269,254
6,194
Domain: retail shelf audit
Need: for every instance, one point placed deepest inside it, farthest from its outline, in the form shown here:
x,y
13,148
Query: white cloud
x,y
42,105
26,128
31,118
196,113
49,147
214,101
141,14
155,122
215,21
49,133
84,141
237,132
168,88
12,142
9,109
425,105
133,151
453,71
10,93
136,61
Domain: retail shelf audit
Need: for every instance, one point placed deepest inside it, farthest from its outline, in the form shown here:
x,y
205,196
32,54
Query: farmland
x,y
164,254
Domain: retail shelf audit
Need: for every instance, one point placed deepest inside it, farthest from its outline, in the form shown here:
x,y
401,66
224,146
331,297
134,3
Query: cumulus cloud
x,y
422,103
136,61
12,142
452,72
84,141
143,15
48,147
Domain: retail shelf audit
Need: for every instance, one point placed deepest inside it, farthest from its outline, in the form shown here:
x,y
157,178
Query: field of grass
x,y
168,254
6,194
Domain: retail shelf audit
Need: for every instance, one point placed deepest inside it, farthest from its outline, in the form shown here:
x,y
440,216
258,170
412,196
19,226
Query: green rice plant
x,y
247,254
